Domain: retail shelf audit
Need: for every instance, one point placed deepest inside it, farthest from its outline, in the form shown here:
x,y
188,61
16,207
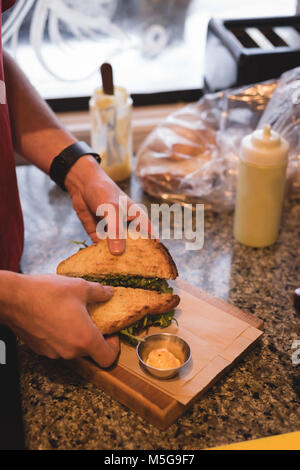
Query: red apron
x,y
11,220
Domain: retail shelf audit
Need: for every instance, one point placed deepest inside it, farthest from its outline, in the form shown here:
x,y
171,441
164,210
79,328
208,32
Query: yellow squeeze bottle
x,y
260,187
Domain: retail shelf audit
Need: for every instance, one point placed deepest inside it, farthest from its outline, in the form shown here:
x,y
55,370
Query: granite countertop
x,y
258,398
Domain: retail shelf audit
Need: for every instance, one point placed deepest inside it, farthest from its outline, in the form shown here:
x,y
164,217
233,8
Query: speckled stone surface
x,y
258,398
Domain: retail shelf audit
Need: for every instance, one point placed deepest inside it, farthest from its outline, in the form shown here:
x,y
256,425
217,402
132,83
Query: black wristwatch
x,y
66,159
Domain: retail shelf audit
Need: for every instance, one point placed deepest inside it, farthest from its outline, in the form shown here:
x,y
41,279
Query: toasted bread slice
x,y
142,257
128,306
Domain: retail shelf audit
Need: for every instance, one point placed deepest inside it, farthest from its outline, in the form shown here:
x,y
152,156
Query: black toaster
x,y
243,51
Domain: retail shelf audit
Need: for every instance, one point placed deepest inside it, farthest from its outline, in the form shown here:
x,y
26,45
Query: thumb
x,y
98,293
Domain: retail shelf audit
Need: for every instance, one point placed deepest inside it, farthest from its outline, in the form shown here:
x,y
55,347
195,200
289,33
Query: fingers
x,y
114,342
115,219
40,348
117,245
144,225
98,293
86,217
103,352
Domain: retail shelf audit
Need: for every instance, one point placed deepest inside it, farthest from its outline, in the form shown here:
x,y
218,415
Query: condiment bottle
x,y
111,135
260,187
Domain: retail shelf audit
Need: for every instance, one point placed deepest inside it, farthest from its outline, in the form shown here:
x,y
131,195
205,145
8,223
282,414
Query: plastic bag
x,y
283,113
192,157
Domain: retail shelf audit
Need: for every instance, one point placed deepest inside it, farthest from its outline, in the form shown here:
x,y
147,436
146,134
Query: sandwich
x,y
142,296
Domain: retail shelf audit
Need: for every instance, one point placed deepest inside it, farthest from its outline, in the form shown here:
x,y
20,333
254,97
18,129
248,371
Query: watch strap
x,y
63,162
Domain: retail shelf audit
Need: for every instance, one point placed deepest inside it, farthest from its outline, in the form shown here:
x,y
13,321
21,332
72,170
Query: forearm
x,y
37,133
11,285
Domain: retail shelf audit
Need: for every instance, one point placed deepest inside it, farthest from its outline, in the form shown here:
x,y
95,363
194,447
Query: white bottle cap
x,y
265,147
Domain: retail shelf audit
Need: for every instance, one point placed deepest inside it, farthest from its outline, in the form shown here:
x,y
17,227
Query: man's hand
x,y
49,313
89,186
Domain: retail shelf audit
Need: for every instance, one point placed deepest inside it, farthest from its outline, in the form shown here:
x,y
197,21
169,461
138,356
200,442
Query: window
x,y
154,46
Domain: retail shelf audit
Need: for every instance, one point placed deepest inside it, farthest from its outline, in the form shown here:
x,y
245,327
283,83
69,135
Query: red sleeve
x,y
7,4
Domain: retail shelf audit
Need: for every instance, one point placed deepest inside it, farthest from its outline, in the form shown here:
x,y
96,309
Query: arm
x,y
37,133
39,136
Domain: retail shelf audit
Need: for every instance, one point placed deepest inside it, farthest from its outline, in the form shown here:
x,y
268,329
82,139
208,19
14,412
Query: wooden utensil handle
x,y
107,78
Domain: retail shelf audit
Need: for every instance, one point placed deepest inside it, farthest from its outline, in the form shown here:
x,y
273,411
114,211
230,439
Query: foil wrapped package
x,y
192,157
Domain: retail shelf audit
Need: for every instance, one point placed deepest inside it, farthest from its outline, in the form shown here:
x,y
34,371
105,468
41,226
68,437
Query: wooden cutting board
x,y
145,398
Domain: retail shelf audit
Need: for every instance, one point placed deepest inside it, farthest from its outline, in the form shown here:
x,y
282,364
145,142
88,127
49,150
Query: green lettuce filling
x,y
136,282
162,320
